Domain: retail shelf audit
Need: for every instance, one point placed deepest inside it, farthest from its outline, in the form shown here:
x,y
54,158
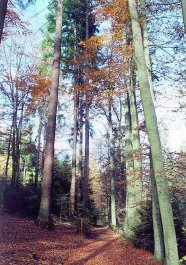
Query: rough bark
x,y
112,173
43,217
3,9
171,251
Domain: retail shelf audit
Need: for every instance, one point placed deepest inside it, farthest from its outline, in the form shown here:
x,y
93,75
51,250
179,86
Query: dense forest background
x,y
92,117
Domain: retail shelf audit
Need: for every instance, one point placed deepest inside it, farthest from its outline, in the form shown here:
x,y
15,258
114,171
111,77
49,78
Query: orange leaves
x,y
113,10
22,242
39,88
93,43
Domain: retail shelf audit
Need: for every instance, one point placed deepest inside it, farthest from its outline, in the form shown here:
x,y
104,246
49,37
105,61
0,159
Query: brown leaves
x,y
22,242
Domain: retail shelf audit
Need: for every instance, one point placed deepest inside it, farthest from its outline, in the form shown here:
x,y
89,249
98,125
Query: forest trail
x,y
24,243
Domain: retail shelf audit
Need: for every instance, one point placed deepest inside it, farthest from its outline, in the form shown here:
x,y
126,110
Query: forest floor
x,y
22,242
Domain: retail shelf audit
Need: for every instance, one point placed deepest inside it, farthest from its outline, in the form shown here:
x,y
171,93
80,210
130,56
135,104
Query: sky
x,y
173,130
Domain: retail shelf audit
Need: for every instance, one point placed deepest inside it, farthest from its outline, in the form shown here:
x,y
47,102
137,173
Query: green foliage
x,y
73,32
61,187
144,233
23,201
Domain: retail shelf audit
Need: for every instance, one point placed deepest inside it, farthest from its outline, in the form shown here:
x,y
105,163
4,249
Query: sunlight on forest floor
x,y
22,242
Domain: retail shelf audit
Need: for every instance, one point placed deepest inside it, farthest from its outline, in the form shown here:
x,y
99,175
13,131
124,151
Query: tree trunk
x,y
14,164
38,167
112,175
8,153
183,2
132,217
43,217
171,250
159,251
80,164
73,178
146,46
87,136
87,123
134,182
3,9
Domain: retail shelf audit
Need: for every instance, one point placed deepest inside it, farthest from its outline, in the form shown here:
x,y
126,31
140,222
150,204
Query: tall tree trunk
x,y
87,136
112,175
87,122
43,217
132,217
137,182
159,254
80,164
146,46
3,9
38,167
73,178
171,250
14,164
183,2
18,141
159,251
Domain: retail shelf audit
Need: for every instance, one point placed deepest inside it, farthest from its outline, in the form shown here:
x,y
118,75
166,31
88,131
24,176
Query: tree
x,y
3,9
44,210
171,251
184,12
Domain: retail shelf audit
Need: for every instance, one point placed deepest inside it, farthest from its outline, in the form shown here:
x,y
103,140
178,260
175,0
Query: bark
x,y
14,155
132,217
18,142
146,46
80,164
112,175
159,254
183,2
37,167
43,217
87,136
171,251
73,178
3,9
159,251
8,153
87,124
134,183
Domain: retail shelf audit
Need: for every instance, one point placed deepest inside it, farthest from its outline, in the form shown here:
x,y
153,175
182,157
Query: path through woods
x,y
22,242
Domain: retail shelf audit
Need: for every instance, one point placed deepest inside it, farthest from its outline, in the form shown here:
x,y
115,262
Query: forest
x,y
92,132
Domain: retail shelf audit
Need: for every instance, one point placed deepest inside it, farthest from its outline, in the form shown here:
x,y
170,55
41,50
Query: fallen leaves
x,y
22,242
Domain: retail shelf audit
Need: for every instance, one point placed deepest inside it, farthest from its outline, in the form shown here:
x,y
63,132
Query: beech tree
x,y
171,252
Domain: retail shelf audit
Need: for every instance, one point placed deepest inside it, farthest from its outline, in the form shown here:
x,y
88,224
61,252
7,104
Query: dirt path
x,y
22,243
